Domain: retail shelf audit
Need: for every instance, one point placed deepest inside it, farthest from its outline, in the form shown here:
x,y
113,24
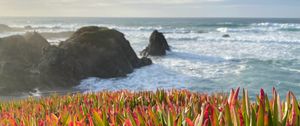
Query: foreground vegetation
x,y
160,108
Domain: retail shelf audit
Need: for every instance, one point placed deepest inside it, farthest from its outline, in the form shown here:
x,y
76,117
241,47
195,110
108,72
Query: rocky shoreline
x,y
29,61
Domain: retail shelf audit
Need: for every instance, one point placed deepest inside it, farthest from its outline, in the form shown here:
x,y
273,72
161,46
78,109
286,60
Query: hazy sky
x,y
151,8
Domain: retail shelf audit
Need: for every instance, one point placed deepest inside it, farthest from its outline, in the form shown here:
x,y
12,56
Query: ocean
x,y
260,53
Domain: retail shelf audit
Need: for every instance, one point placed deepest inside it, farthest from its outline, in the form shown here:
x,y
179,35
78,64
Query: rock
x,y
4,28
157,46
226,36
18,57
38,44
145,61
37,40
28,27
28,62
90,52
27,48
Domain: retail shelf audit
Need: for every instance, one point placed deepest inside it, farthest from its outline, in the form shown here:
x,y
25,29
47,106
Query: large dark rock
x,y
29,61
158,45
89,52
38,44
18,57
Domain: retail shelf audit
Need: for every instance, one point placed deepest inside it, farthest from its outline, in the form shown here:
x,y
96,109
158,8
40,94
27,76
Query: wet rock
x,y
90,52
18,57
28,62
158,45
226,36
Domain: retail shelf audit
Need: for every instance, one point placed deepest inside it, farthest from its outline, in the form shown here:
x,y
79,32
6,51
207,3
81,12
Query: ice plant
x,y
146,108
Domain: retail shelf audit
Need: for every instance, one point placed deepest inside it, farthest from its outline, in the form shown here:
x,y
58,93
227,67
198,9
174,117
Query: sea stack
x,y
158,45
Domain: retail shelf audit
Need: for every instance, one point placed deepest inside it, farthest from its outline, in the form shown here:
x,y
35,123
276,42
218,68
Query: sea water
x,y
260,53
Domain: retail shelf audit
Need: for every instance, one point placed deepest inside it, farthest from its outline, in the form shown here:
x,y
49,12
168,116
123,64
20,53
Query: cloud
x,y
167,1
102,3
149,8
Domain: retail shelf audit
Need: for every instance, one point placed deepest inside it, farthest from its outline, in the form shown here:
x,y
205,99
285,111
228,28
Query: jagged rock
x,y
158,45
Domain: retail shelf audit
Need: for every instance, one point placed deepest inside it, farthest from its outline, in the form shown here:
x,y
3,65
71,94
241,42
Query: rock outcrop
x,y
90,52
38,44
28,62
158,45
18,57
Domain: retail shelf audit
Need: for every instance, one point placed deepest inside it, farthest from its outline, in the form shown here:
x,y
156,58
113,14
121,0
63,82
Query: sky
x,y
151,8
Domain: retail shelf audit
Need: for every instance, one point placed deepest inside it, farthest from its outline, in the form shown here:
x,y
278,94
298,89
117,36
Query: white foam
x,y
147,78
177,70
35,93
291,69
56,41
222,29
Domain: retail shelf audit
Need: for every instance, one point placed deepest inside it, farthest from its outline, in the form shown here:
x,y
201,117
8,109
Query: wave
x,y
52,35
46,26
222,29
224,24
157,76
268,24
178,70
249,39
278,26
290,29
261,28
256,30
29,27
291,69
130,28
182,37
247,30
5,28
279,62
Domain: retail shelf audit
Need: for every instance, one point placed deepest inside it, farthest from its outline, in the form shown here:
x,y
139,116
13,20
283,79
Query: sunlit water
x,y
260,53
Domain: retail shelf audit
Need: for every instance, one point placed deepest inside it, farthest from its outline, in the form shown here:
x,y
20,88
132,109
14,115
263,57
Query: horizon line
x,y
238,17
